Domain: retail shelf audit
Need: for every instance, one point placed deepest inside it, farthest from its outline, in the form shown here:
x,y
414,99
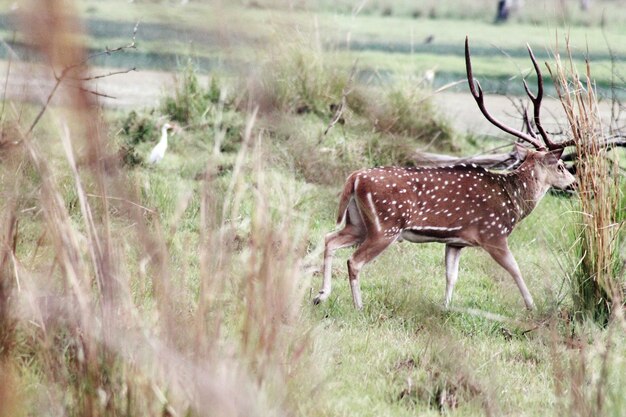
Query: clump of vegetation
x,y
437,382
136,129
405,113
139,128
191,102
211,121
302,91
598,279
298,79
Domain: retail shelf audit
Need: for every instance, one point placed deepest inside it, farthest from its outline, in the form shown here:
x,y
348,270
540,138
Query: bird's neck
x,y
163,136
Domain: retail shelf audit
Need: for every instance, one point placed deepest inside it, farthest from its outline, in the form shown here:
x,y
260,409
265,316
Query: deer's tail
x,y
346,195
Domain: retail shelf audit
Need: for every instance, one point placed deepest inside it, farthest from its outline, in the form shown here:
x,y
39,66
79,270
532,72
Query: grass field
x,y
229,37
186,287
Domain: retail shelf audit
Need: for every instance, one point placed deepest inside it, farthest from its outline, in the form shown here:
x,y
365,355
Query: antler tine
x,y
536,100
477,93
529,127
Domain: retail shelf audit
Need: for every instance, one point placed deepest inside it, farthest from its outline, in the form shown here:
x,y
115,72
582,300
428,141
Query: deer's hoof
x,y
319,298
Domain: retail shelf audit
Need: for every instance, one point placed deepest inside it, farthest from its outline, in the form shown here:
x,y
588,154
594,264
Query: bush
x,y
405,112
297,80
138,128
191,102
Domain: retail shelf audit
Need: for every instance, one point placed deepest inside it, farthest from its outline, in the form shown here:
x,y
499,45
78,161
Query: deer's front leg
x,y
453,255
501,253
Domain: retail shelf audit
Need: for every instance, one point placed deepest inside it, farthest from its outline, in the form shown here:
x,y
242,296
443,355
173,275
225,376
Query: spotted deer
x,y
460,206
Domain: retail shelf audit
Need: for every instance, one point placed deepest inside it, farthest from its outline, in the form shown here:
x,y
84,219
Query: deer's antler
x,y
530,137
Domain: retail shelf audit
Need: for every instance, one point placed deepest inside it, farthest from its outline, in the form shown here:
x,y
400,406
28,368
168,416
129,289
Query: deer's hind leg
x,y
353,233
369,249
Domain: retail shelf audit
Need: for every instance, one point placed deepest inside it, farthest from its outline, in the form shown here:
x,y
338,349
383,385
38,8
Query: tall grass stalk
x,y
597,286
83,340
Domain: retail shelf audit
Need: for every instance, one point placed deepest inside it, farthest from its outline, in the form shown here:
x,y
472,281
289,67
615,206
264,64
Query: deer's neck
x,y
525,187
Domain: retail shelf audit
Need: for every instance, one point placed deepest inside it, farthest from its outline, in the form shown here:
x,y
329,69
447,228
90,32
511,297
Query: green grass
x,y
248,322
388,47
400,354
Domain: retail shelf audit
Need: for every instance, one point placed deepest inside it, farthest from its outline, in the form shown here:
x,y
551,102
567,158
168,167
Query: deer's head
x,y
546,167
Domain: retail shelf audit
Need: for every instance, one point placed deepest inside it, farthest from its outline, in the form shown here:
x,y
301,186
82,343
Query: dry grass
x,y
587,373
67,302
112,306
597,278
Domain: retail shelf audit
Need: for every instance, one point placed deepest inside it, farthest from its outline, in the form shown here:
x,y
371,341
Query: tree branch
x,y
64,74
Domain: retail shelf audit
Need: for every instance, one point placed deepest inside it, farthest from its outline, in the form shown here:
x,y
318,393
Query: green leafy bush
x,y
191,102
139,128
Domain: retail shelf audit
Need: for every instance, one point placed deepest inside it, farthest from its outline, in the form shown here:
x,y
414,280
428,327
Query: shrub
x,y
191,102
138,128
597,284
297,80
405,112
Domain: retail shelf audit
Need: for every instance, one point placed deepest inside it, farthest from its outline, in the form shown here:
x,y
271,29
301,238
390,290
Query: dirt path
x,y
144,89
463,113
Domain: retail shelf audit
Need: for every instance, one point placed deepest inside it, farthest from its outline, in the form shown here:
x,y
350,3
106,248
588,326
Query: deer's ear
x,y
521,151
553,157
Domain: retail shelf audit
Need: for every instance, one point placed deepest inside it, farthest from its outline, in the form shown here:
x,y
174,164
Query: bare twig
x,y
67,70
96,77
96,93
45,107
107,51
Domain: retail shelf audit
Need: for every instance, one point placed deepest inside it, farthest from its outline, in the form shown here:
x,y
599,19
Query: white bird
x,y
158,152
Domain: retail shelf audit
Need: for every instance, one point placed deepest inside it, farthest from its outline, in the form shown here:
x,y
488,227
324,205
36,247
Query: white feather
x,y
158,152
